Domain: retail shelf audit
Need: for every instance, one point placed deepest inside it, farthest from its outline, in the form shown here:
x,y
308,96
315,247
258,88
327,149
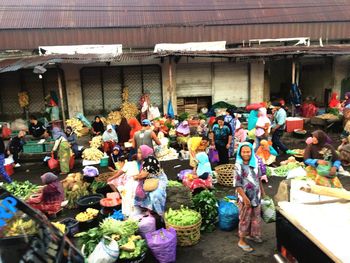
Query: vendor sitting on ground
x,y
36,128
203,169
16,146
110,139
50,197
183,133
97,127
344,151
266,152
72,139
250,191
116,159
323,161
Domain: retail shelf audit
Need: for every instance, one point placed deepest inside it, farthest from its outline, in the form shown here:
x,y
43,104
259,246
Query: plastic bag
x,y
268,210
153,113
105,253
52,163
81,117
297,172
147,224
162,243
228,215
213,156
91,171
182,174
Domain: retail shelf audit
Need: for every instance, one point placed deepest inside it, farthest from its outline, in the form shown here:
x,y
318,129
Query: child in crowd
x,y
266,152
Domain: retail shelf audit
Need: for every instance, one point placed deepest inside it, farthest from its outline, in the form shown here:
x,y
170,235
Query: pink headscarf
x,y
146,151
261,122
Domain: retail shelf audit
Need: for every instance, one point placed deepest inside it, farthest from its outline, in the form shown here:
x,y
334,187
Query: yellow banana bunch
x,y
92,154
23,99
21,227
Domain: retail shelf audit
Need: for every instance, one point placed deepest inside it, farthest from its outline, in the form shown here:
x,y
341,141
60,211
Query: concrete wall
x,y
257,83
341,68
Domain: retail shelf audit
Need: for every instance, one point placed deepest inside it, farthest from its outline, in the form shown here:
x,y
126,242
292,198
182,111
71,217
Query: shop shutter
x,y
231,83
193,80
9,88
133,81
92,91
112,88
152,83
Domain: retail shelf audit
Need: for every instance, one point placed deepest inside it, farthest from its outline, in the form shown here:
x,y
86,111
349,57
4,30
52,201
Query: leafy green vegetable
x,y
284,169
207,205
140,248
123,228
183,116
21,190
90,239
182,217
97,185
268,171
172,183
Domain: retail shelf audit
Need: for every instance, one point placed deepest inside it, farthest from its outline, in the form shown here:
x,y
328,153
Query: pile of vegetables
x,y
96,142
182,217
284,169
77,126
207,205
94,186
172,183
74,188
128,110
89,214
21,190
61,227
131,246
19,227
93,153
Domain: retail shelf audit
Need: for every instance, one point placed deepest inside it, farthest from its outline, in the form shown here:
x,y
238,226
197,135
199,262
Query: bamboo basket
x,y
187,235
225,174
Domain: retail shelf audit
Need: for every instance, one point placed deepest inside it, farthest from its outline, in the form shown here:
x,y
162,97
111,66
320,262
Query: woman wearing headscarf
x,y
110,139
63,149
222,140
51,196
116,159
262,127
334,102
183,133
135,127
72,139
97,127
250,190
346,102
123,132
231,121
53,109
323,161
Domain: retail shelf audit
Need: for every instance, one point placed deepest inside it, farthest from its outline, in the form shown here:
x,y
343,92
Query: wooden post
x,y
60,91
293,72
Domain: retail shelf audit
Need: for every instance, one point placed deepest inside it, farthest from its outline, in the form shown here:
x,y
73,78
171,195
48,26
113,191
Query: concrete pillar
x,y
73,89
340,71
256,80
167,91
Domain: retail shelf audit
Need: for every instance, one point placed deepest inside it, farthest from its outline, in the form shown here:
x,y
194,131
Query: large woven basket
x,y
225,174
187,235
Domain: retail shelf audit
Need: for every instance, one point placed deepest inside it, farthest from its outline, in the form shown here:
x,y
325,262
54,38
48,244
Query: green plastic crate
x,y
48,146
14,133
31,147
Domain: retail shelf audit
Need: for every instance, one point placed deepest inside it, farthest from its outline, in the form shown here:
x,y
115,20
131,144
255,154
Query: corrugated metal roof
x,y
14,64
152,13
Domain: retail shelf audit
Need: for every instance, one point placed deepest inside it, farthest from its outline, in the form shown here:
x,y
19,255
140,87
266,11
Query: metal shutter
x,y
152,83
193,80
92,92
112,88
231,83
10,86
133,81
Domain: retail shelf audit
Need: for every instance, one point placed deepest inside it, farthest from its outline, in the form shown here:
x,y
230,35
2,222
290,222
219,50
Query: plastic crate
x,y
48,146
31,147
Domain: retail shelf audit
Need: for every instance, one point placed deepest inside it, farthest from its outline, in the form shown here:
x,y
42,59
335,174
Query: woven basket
x,y
187,235
104,177
225,174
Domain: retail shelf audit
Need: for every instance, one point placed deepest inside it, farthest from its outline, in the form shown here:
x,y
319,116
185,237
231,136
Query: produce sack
x,y
52,163
213,156
228,215
162,243
268,210
147,224
91,171
104,253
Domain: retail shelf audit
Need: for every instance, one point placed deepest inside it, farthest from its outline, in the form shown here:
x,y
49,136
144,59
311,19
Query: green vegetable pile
x,y
21,190
94,186
123,228
182,217
140,248
172,183
284,169
268,171
207,205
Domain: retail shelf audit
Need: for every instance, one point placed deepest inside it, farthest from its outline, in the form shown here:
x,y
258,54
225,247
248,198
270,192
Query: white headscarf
x,y
110,136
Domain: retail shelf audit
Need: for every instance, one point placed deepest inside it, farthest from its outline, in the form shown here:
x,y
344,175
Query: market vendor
x,y
63,149
203,169
97,127
123,132
250,191
52,106
145,136
73,140
3,172
334,102
222,140
183,133
323,161
51,196
36,128
346,102
135,127
16,146
344,151
110,139
116,159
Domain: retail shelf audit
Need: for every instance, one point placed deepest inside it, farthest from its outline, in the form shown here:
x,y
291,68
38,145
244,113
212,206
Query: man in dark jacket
x,y
36,128
16,146
3,172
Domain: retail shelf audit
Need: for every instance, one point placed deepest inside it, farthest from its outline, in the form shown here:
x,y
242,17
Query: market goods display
x,y
132,247
328,116
187,224
128,110
114,118
92,154
225,174
96,142
77,126
61,227
283,170
206,204
20,227
94,186
21,190
23,99
88,215
74,188
172,183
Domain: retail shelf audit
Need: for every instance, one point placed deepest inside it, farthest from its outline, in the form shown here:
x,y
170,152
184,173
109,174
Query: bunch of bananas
x,y
114,118
20,227
96,142
23,99
89,214
128,110
61,227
